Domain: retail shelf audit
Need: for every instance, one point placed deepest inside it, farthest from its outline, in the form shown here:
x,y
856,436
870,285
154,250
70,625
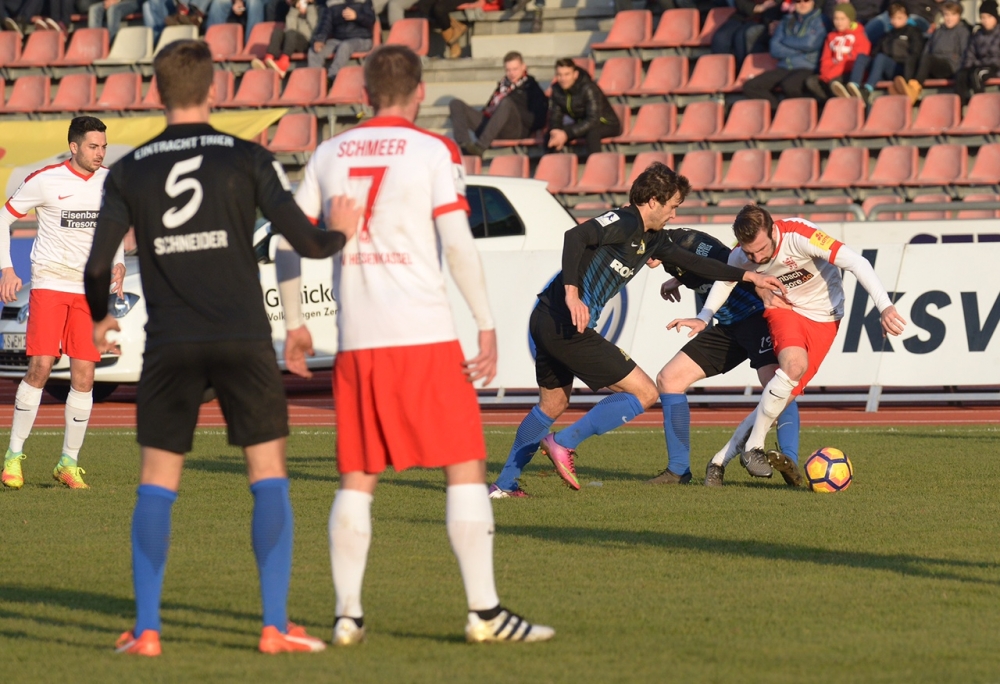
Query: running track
x,y
311,405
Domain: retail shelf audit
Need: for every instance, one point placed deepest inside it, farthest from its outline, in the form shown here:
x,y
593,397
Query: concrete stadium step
x,y
484,69
552,45
523,25
474,92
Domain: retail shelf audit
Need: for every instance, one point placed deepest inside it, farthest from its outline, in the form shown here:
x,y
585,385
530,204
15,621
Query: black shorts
x,y
562,353
246,379
722,348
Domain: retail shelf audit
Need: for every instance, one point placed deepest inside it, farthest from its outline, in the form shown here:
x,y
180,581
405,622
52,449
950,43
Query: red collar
x,y
77,173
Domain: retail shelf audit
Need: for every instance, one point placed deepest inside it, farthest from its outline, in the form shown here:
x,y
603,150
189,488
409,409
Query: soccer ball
x,y
829,470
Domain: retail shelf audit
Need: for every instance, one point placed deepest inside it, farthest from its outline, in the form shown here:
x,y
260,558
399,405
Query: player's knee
x,y
795,370
553,406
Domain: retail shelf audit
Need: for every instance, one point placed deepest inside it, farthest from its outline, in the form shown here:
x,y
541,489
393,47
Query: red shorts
x,y
791,329
60,323
405,406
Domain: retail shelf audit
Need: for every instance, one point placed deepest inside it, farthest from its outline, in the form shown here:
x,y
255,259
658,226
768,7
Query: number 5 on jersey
x,y
376,174
177,186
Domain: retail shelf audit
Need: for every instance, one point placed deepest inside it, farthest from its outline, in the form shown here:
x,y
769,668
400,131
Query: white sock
x,y
26,402
772,403
732,448
78,406
350,537
469,518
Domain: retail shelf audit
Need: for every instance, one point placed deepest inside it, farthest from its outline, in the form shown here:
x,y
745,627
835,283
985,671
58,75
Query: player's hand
x,y
101,330
318,46
10,285
578,311
892,322
654,263
671,290
298,345
349,14
484,366
763,281
343,215
695,324
239,8
118,280
772,300
557,138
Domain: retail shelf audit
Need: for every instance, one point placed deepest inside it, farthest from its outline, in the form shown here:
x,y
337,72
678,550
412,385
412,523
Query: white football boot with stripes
x,y
505,626
347,632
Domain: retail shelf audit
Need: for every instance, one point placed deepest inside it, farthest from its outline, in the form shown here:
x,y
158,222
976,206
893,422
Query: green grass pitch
x,y
895,580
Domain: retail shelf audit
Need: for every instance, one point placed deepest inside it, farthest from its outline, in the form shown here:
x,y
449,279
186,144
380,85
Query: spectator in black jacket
x,y
578,109
516,109
942,55
896,55
345,27
922,13
982,57
733,37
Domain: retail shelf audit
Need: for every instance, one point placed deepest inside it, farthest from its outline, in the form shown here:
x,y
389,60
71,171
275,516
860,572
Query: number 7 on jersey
x,y
377,175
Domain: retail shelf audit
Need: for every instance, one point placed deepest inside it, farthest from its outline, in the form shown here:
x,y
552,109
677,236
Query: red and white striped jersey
x,y
388,280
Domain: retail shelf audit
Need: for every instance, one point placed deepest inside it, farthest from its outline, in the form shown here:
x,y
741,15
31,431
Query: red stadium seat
x,y
3,96
703,168
712,74
225,41
747,170
630,28
347,88
755,64
731,202
889,116
690,219
981,118
305,86
624,114
256,44
664,76
653,123
794,117
511,166
603,171
473,165
867,205
225,86
296,133
10,48
846,167
934,215
700,120
257,88
122,90
376,40
985,170
979,213
895,165
841,117
677,28
42,49
796,167
717,16
944,165
747,120
776,213
640,164
86,45
832,217
559,170
619,75
76,91
587,64
151,99
937,114
413,33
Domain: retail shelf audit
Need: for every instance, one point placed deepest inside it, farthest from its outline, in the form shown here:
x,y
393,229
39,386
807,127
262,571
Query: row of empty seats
x,y
678,28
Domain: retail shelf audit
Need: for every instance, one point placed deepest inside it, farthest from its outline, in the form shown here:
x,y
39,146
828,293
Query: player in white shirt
x,y
803,324
403,390
66,198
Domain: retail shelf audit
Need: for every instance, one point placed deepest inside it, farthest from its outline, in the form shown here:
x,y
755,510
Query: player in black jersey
x,y
600,257
192,194
740,333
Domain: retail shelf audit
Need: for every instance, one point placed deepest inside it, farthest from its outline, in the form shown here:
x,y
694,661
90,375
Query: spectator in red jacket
x,y
843,44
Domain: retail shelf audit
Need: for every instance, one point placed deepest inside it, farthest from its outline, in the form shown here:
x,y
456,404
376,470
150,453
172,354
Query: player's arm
x,y
717,296
27,196
118,271
112,224
849,260
711,269
576,240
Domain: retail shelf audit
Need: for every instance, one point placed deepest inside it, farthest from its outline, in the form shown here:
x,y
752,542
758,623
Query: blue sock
x,y
788,431
150,541
534,426
677,430
609,413
271,530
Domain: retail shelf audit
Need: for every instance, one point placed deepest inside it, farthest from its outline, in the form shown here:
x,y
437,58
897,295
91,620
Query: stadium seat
x,y
985,170
841,117
640,164
559,170
603,171
296,133
889,116
42,49
587,64
796,167
664,76
944,165
473,165
305,86
257,88
776,213
132,44
677,28
896,164
794,117
3,96
85,46
75,92
29,93
10,48
630,28
712,74
225,86
256,44
703,168
870,202
172,34
619,75
979,213
413,33
121,91
747,119
937,113
981,118
934,215
376,40
225,41
755,64
347,88
700,120
730,202
748,169
653,123
624,114
846,167
832,217
151,99
510,166
717,16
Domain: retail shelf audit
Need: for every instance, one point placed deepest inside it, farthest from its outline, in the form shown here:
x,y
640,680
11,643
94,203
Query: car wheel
x,y
102,390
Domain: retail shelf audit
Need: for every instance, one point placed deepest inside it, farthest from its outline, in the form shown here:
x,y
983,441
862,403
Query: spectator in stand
x,y
246,13
843,45
578,109
942,54
59,18
345,27
17,15
300,23
396,9
438,12
896,55
112,10
158,13
734,35
865,10
922,13
796,44
516,109
982,57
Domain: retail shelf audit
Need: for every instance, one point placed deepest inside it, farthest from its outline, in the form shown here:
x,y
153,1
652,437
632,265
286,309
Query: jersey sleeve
x,y
448,182
810,241
308,195
27,196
